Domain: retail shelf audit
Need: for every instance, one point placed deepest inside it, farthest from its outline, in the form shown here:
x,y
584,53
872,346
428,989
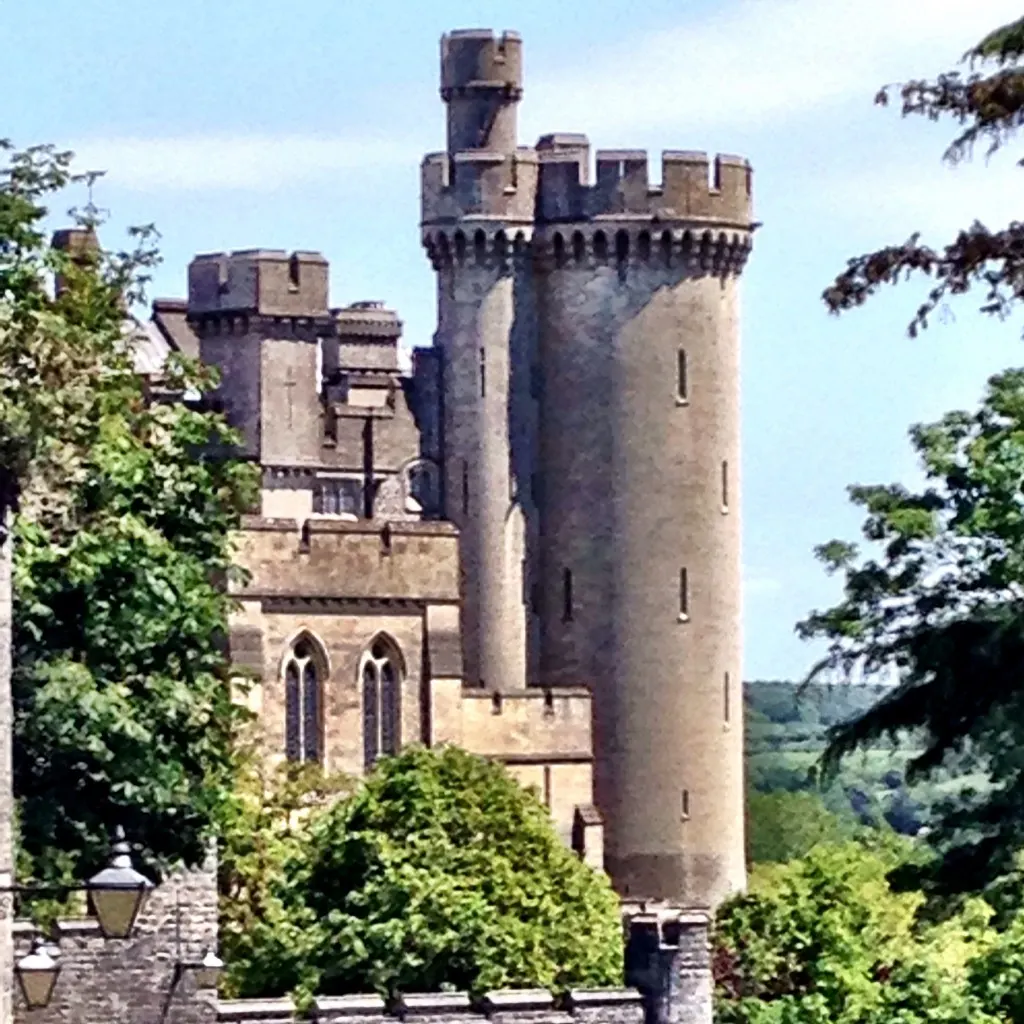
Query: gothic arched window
x,y
304,672
381,678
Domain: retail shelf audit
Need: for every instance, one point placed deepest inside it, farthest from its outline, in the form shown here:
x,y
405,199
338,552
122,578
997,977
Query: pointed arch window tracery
x,y
304,675
381,677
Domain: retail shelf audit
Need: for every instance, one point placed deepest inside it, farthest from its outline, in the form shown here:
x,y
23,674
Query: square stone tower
x,y
261,316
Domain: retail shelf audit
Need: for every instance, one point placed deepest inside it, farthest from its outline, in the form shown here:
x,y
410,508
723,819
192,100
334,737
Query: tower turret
x,y
478,209
260,316
481,83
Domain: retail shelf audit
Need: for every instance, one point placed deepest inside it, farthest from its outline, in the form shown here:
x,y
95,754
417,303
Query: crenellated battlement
x,y
266,282
477,58
692,187
479,185
507,1006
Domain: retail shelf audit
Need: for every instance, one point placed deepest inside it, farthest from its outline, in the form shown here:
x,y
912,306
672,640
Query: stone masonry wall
x,y
668,964
146,979
587,1006
640,511
132,981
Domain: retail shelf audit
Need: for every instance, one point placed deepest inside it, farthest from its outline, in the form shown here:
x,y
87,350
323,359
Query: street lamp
x,y
118,892
37,974
208,971
118,895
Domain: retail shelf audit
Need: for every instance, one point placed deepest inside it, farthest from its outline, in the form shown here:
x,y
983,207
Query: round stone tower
x,y
478,207
589,337
640,541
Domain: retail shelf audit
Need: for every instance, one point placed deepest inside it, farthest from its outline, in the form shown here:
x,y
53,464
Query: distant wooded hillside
x,y
786,732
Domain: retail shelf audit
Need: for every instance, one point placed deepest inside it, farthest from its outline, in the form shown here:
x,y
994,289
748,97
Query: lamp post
x,y
118,894
205,972
209,970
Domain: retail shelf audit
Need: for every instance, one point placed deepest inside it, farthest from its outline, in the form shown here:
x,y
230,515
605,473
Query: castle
x,y
530,545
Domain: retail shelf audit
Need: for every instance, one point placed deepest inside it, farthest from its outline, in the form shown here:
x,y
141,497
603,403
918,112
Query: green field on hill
x,y
787,727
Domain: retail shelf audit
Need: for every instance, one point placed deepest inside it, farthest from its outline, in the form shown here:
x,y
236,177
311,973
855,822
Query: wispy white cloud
x,y
757,584
757,61
932,197
234,161
749,64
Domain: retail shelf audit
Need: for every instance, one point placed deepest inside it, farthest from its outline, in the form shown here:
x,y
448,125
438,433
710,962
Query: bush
x,y
441,872
825,940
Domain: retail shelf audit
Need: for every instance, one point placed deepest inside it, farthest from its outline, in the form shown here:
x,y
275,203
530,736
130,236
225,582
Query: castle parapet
x,y
479,185
529,726
343,560
693,187
266,282
476,57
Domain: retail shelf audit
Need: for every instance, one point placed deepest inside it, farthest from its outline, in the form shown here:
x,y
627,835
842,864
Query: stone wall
x,y
586,1006
150,977
668,967
135,980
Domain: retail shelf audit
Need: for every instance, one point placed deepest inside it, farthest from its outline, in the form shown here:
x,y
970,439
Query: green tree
x,y
825,940
783,826
55,356
122,698
939,598
121,544
940,606
265,831
440,872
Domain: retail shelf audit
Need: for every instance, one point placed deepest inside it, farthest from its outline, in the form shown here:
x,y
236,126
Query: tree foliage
x,y
57,354
121,700
266,829
440,872
940,606
988,105
940,600
123,708
783,826
825,940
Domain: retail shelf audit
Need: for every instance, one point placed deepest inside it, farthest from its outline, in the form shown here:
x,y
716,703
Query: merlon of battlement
x,y
692,186
268,282
479,184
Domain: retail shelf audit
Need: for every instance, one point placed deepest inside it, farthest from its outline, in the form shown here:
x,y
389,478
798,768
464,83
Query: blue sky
x,y
240,124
